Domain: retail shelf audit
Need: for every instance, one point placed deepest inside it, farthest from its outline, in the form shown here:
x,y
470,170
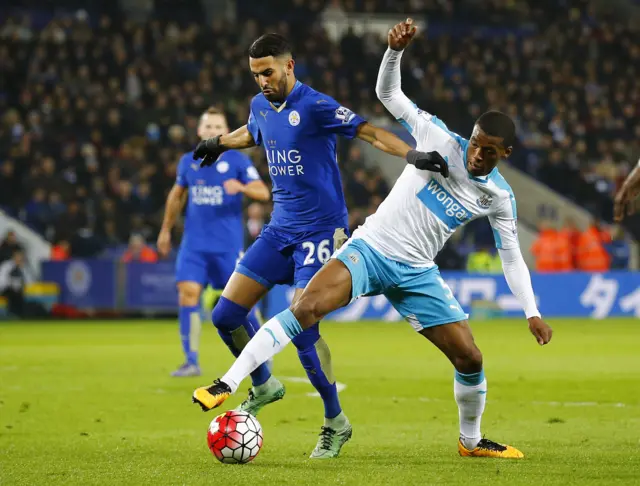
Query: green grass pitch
x,y
93,403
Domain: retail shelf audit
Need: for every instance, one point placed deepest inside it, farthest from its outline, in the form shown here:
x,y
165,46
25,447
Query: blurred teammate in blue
x,y
297,126
213,237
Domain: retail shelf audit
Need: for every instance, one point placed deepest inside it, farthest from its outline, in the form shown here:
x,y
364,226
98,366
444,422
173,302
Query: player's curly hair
x,y
498,124
269,45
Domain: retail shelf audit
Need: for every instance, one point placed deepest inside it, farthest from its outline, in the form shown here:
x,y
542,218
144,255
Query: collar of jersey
x,y
278,109
484,179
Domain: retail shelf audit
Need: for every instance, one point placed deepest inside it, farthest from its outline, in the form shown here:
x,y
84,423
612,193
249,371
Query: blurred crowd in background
x,y
97,108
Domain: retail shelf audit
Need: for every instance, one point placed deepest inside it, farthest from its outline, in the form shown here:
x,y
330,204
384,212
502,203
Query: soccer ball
x,y
235,437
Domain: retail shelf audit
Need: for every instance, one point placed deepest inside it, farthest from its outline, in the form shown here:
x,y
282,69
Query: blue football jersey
x,y
299,138
214,221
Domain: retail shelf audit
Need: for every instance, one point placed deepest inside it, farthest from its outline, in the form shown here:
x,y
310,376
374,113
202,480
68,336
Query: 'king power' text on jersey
x,y
214,221
299,139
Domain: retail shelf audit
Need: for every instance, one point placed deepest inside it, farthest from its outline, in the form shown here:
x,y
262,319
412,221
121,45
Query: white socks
x,y
195,328
267,342
337,423
471,400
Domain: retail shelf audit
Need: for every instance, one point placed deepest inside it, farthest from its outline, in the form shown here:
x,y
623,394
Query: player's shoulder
x,y
186,159
258,101
500,183
314,98
444,132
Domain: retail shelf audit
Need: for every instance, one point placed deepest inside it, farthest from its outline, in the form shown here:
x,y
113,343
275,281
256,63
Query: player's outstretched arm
x,y
518,277
627,195
238,139
388,85
256,190
209,150
383,140
391,144
173,207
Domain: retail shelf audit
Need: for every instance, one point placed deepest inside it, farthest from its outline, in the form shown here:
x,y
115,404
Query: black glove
x,y
432,161
208,150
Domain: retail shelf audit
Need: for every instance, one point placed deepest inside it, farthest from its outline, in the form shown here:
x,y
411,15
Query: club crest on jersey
x,y
345,115
294,118
222,166
484,201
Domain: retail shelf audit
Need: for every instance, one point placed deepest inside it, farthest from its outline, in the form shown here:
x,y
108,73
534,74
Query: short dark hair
x,y
269,45
498,124
212,110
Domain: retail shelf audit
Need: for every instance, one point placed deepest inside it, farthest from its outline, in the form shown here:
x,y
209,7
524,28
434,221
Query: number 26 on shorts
x,y
322,252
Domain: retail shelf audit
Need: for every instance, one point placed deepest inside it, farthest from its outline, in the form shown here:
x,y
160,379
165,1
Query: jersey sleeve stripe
x,y
462,142
503,184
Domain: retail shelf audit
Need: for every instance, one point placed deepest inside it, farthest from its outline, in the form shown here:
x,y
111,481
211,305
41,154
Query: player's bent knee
x,y
308,309
228,315
468,360
188,294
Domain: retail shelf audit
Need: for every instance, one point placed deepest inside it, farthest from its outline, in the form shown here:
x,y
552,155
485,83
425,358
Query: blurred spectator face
x,y
11,238
108,206
54,198
18,258
177,134
136,244
211,125
113,117
39,195
360,176
74,208
88,150
8,169
271,74
144,190
48,166
125,188
355,153
11,118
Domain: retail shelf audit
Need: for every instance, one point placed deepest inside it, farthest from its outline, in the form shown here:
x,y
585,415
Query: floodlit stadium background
x,y
99,99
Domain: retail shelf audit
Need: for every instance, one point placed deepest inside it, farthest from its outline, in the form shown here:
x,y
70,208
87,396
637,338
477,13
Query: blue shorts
x,y
204,267
420,295
279,257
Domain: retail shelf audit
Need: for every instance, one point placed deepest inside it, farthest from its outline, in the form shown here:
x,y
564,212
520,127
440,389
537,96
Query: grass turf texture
x,y
93,403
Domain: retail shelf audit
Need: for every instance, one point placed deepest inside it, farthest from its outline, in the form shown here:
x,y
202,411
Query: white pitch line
x,y
298,379
551,404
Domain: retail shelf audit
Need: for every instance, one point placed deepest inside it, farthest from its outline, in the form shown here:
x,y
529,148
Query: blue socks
x,y
236,326
316,359
190,327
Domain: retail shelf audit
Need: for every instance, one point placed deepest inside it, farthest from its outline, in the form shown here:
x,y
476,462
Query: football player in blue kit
x,y
213,236
297,126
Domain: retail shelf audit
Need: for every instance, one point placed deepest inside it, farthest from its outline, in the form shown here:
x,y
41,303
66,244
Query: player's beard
x,y
280,93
